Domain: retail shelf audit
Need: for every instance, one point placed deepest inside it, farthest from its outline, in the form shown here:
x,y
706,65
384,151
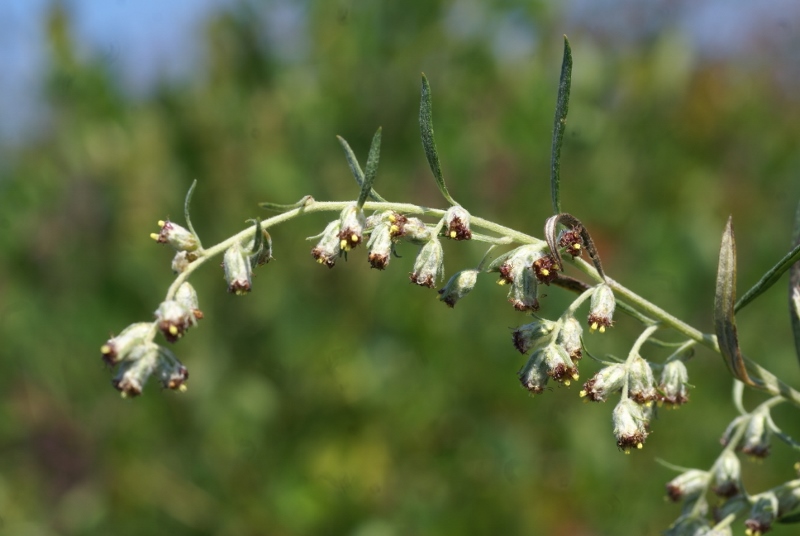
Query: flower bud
x,y
117,348
413,230
458,286
559,366
688,485
264,254
238,271
630,425
601,310
528,336
727,475
182,260
351,223
762,514
171,372
517,268
756,440
546,269
429,264
329,246
180,238
134,372
173,319
608,380
524,291
788,498
570,337
641,383
380,246
186,295
571,241
533,375
673,386
457,220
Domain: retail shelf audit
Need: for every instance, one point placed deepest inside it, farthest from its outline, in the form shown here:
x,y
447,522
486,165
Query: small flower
x,y
238,271
688,485
570,338
182,260
601,310
457,220
533,375
180,238
727,475
630,425
117,348
134,372
546,269
608,380
762,514
171,372
571,241
429,264
413,230
351,223
524,291
186,295
516,269
673,385
641,383
173,319
528,336
380,246
329,246
558,364
458,286
756,440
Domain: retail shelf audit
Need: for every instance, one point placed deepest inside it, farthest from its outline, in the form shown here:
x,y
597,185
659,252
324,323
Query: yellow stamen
x,y
394,229
183,388
566,382
354,238
556,267
343,244
452,234
392,218
161,223
583,393
639,446
575,376
576,246
593,327
173,330
545,272
154,236
501,282
105,349
602,329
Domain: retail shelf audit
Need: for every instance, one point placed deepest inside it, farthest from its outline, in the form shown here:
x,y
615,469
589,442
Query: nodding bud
x,y
529,336
518,269
182,260
630,425
429,264
601,310
351,224
727,475
180,238
571,241
788,498
608,380
380,246
763,513
757,435
238,270
569,338
559,365
263,255
171,372
533,375
413,230
688,485
329,246
117,348
186,295
458,286
457,221
673,386
641,383
134,372
173,319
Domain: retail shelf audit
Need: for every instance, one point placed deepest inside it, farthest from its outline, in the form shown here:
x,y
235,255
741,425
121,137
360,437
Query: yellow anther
x,y
354,238
343,244
639,446
545,272
593,327
501,282
566,382
320,260
105,349
123,394
556,267
392,218
173,330
161,223
575,376
394,229
154,236
602,329
576,246
583,394
453,234
183,388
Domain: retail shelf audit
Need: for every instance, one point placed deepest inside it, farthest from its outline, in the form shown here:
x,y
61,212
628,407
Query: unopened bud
x,y
180,238
415,231
380,246
727,475
570,337
533,375
351,224
757,435
457,221
673,386
630,425
329,246
134,372
429,264
641,383
458,286
601,310
186,295
529,336
608,380
763,513
237,268
117,348
688,485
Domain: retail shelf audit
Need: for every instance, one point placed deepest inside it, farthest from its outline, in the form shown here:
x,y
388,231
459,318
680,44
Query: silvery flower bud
x,y
134,372
546,269
688,485
570,338
264,254
117,348
171,372
673,386
238,271
511,264
182,260
788,498
763,513
457,220
351,224
727,475
329,246
173,319
601,310
630,425
757,435
186,295
533,375
608,380
180,238
641,383
559,366
458,286
413,230
524,291
429,264
380,246
528,336
571,241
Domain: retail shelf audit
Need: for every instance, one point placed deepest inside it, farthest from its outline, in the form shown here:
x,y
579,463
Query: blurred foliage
x,y
345,401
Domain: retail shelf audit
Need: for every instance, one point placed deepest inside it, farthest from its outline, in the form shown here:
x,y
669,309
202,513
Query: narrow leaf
x,y
551,235
794,287
356,169
186,203
562,106
724,298
426,129
275,207
372,168
770,278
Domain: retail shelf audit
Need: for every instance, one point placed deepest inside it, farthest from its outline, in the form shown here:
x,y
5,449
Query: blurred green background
x,y
348,401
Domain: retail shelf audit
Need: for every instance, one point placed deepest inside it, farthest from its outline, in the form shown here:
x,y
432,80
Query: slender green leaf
x,y
725,297
562,106
356,169
275,207
770,278
186,203
372,168
794,287
426,129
